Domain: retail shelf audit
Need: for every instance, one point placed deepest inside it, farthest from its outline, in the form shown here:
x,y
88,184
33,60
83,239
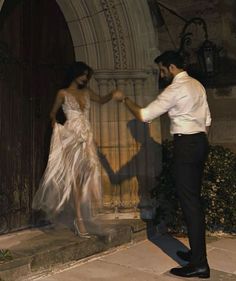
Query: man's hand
x,y
118,95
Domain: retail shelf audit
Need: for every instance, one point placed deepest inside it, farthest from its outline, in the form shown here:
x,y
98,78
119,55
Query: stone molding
x,y
114,37
123,74
116,33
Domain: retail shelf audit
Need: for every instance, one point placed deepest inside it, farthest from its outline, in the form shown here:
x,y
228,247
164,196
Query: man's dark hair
x,y
171,57
78,68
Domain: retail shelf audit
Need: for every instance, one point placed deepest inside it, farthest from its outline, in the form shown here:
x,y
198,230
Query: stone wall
x,y
117,39
221,25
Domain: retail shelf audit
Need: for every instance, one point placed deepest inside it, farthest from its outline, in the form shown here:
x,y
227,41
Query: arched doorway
x,y
35,48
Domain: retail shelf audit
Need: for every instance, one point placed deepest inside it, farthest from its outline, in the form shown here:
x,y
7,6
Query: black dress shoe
x,y
186,256
191,270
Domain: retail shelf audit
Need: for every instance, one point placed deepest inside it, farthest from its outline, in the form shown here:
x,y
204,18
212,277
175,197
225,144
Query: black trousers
x,y
190,154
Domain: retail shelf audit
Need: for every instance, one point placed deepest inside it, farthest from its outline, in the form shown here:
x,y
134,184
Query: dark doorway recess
x,y
35,49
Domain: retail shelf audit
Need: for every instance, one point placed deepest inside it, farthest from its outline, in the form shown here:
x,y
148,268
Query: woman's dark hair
x,y
78,68
171,57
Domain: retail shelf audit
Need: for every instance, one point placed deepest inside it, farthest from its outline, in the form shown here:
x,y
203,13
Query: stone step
x,y
41,249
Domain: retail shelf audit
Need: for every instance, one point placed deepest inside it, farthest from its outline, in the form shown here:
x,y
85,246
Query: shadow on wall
x,y
145,165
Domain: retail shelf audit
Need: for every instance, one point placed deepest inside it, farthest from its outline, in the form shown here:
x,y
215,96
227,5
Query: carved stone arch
x,y
117,38
111,34
1,3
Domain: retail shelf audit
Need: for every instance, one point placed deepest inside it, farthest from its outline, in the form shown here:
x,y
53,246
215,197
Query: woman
x,y
72,172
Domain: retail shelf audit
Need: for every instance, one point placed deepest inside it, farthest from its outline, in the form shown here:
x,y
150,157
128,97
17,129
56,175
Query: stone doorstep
x,y
46,250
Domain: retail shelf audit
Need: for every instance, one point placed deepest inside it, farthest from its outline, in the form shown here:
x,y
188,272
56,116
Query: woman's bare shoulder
x,y
62,93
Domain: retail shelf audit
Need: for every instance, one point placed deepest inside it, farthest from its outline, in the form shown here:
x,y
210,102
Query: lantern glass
x,y
207,56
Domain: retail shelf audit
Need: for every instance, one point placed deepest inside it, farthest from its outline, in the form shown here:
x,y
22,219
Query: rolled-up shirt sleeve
x,y
158,107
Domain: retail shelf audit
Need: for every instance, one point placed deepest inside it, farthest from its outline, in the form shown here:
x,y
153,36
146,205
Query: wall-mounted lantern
x,y
207,53
208,57
201,55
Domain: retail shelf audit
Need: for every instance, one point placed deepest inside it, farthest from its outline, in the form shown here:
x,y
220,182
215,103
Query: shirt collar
x,y
180,75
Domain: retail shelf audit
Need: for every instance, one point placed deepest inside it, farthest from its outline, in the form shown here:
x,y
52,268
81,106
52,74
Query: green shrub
x,y
5,255
218,191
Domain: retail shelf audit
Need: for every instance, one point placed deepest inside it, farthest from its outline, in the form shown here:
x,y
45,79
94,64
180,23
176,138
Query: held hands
x,y
118,95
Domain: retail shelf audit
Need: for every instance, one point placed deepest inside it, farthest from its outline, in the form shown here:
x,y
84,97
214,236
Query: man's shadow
x,y
169,245
145,165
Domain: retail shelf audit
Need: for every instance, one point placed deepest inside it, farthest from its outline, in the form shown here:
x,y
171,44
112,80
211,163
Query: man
x,y
186,103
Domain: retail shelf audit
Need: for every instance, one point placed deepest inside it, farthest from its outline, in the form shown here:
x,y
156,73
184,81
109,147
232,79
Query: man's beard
x,y
168,79
165,81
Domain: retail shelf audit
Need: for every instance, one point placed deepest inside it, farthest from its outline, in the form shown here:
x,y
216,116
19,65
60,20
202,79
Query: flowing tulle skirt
x,y
73,164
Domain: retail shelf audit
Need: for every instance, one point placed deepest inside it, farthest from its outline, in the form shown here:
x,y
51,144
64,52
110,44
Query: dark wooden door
x,y
35,49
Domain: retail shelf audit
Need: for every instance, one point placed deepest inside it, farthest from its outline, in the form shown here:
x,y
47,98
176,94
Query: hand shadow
x,y
145,165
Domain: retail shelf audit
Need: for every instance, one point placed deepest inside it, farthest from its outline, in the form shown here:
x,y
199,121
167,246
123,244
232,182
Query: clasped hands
x,y
118,95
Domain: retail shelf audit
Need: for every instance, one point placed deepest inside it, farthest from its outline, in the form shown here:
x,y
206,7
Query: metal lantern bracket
x,y
186,36
207,55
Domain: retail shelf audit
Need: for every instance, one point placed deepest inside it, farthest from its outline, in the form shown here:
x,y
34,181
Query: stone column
x,y
124,142
124,155
105,141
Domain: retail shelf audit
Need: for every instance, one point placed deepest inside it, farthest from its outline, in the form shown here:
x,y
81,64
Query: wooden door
x,y
35,49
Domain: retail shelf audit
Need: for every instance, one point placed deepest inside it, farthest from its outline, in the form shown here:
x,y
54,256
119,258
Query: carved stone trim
x,y
124,74
116,32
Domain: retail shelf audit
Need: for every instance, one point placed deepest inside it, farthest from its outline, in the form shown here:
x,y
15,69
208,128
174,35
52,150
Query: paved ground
x,y
147,260
41,249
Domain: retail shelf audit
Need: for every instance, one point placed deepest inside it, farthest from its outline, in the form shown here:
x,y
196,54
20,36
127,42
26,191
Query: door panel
x,y
35,49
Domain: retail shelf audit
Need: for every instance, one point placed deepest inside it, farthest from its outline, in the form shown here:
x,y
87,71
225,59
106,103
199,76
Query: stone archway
x,y
111,34
117,39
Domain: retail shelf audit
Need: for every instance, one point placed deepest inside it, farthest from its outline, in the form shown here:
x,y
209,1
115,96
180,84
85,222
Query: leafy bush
x,y
5,255
218,191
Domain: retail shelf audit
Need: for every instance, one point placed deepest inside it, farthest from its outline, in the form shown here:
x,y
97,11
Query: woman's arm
x,y
57,104
98,99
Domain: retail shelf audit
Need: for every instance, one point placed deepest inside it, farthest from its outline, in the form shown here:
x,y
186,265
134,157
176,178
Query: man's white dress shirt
x,y
186,103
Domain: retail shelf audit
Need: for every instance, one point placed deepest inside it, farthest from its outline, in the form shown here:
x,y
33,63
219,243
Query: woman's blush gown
x,y
73,165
